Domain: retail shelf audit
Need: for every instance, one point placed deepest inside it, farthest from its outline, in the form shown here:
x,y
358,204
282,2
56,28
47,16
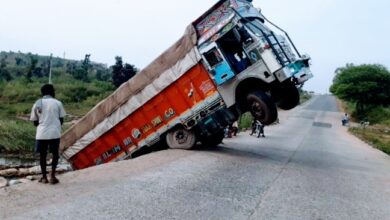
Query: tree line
x,y
28,66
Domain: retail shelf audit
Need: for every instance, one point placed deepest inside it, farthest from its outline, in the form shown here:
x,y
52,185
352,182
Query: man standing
x,y
254,126
261,129
48,116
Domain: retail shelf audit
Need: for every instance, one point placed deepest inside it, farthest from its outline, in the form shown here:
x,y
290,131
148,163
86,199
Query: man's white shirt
x,y
48,112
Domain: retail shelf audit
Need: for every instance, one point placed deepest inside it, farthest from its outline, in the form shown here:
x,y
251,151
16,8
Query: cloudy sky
x,y
333,32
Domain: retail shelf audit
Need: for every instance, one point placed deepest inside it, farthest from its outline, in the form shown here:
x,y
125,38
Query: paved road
x,y
307,167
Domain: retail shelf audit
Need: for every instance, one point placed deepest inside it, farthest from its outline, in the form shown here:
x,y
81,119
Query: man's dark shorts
x,y
44,145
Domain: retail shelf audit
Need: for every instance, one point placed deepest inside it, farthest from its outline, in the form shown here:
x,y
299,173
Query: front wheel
x,y
180,138
287,96
262,107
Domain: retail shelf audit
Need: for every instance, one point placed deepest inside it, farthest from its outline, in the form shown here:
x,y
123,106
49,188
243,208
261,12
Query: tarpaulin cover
x,y
167,68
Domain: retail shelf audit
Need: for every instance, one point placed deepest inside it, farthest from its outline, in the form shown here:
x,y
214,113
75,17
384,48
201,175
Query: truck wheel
x,y
288,96
261,107
213,140
180,138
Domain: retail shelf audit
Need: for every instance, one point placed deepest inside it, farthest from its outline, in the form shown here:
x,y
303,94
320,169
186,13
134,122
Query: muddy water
x,y
14,161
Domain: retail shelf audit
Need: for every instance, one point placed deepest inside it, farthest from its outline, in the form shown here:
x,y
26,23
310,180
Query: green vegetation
x,y
80,85
121,73
365,90
367,86
304,96
16,136
376,136
245,121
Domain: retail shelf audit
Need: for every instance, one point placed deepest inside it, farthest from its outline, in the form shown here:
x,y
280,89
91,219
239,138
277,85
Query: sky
x,y
332,32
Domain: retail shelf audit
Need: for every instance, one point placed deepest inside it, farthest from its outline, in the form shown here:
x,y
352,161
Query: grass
x,y
16,136
18,96
377,136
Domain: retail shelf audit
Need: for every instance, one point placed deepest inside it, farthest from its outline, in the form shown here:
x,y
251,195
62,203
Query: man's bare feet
x,y
54,180
43,180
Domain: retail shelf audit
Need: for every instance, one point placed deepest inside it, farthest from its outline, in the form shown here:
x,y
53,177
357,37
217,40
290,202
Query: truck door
x,y
218,66
231,45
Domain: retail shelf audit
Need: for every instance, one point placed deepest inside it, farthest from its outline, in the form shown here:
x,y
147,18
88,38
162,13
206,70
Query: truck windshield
x,y
255,25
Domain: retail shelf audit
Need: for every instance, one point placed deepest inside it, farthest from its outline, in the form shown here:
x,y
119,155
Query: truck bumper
x,y
299,72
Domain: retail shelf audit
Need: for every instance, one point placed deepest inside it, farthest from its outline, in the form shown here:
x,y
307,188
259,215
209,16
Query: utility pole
x,y
51,56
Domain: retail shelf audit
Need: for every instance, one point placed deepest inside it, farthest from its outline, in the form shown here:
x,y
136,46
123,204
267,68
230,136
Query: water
x,y
13,161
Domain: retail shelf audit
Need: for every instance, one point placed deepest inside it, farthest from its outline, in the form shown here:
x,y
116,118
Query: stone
x,y
63,168
9,172
14,182
24,180
3,182
23,172
34,170
32,177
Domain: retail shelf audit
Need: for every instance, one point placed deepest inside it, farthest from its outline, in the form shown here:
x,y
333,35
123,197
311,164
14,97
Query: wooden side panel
x,y
189,90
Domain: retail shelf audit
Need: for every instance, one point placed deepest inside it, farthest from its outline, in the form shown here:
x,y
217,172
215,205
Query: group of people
x,y
257,127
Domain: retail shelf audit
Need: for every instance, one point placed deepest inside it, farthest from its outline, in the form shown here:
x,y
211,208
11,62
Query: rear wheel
x,y
262,107
213,140
180,138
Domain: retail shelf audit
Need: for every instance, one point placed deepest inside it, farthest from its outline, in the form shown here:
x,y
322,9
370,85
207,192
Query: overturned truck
x,y
227,62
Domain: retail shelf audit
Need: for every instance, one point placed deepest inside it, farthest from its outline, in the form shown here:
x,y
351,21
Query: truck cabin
x,y
240,44
233,36
227,53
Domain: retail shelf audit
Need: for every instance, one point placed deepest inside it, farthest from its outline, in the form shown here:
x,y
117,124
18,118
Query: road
x,y
307,167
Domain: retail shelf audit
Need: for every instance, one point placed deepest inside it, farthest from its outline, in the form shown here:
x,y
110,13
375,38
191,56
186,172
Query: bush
x,y
245,121
373,114
378,114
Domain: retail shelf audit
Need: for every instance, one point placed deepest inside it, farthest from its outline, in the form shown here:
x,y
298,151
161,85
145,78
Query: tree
x,y
81,73
71,67
86,62
57,63
365,85
117,71
4,73
128,71
19,61
122,73
103,75
31,68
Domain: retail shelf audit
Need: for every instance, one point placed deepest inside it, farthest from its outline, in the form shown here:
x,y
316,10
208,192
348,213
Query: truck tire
x,y
262,107
287,96
213,140
180,138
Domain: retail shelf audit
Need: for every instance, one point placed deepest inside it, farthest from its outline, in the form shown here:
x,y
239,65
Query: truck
x,y
229,61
